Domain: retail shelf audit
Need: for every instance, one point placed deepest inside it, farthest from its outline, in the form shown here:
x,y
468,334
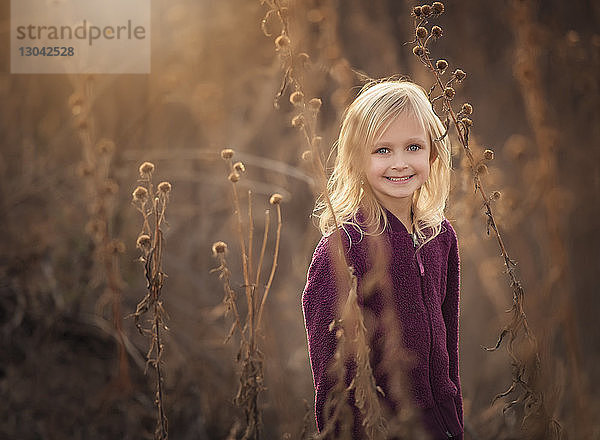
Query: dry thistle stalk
x,y
100,198
522,344
352,322
250,358
152,205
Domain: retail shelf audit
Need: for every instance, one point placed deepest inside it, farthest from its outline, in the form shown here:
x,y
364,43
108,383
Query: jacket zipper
x,y
437,411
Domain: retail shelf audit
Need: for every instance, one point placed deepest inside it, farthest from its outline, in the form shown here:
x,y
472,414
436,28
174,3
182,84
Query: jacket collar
x,y
394,224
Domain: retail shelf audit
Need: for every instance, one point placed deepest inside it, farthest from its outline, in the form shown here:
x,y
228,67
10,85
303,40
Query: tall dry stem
x,y
250,357
152,205
522,345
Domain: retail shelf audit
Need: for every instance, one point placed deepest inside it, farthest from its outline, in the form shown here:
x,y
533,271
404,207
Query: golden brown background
x,y
533,80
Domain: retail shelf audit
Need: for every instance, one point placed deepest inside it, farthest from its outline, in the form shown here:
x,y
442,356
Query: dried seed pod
x,y
436,31
146,169
316,142
315,104
105,146
467,122
239,167
481,168
459,74
418,51
303,58
449,92
437,8
234,177
467,108
219,247
488,154
297,98
496,195
297,121
227,153
275,199
421,32
441,65
143,242
115,247
140,194
282,42
417,11
164,187
426,9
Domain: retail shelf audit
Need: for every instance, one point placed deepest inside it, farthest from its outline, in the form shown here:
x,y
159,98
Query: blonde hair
x,y
374,109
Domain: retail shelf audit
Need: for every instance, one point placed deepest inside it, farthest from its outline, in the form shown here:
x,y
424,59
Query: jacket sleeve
x,y
319,307
450,310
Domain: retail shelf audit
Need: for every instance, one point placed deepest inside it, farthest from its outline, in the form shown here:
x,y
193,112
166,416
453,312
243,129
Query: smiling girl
x,y
390,185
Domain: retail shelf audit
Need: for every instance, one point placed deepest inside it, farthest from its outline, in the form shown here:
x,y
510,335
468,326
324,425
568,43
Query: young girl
x,y
390,182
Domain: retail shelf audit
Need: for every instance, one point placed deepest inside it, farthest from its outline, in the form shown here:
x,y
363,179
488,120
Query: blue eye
x,y
414,145
382,150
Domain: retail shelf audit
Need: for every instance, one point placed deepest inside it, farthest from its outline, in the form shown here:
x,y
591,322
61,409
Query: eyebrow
x,y
413,140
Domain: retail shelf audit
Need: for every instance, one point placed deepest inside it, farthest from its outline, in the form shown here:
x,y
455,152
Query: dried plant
x,y
101,191
250,357
522,345
152,204
351,323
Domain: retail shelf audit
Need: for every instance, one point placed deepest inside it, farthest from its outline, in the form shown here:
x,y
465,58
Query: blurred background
x,y
533,81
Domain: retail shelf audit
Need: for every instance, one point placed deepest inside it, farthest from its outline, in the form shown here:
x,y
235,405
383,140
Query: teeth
x,y
396,179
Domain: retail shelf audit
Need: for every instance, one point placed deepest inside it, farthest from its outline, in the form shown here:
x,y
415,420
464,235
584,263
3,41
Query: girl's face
x,y
398,163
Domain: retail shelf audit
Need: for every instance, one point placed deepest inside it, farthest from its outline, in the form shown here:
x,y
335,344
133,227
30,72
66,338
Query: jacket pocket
x,y
450,415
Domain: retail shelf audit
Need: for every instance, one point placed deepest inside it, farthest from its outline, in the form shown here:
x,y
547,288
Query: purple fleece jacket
x,y
425,289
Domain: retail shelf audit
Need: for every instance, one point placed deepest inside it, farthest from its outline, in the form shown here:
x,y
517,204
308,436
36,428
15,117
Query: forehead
x,y
403,128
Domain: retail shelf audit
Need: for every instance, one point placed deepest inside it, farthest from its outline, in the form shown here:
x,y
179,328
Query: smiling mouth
x,y
399,179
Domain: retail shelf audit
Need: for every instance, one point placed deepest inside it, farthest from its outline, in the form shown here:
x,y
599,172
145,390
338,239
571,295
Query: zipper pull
x,y
416,243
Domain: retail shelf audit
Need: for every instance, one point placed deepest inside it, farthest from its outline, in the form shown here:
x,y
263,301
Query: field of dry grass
x,y
118,209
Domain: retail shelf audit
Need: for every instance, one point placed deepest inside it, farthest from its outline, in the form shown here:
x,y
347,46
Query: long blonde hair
x,y
373,110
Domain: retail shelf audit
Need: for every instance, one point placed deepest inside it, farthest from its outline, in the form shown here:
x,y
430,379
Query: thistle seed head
x,y
239,167
282,42
482,168
297,98
105,146
140,194
417,11
226,153
315,104
421,32
441,65
234,177
219,247
449,92
316,142
85,169
303,58
164,187
275,199
426,10
488,154
418,51
437,8
436,31
467,108
146,169
496,195
109,187
115,247
297,121
459,74
143,242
